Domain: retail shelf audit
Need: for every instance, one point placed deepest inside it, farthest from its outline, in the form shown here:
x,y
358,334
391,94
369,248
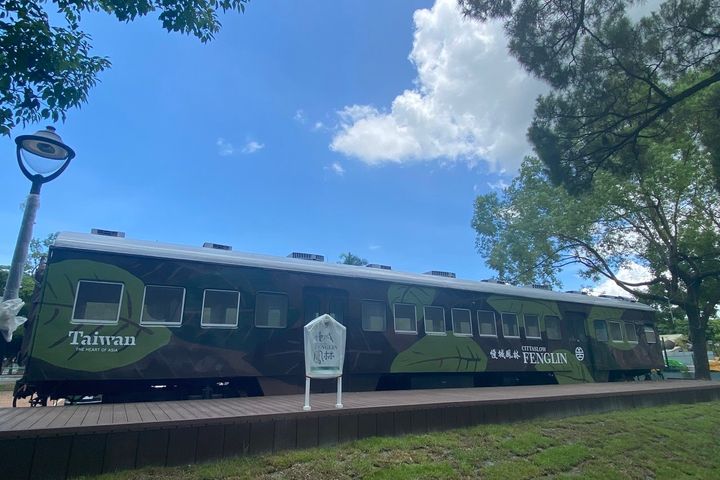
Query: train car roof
x,y
120,245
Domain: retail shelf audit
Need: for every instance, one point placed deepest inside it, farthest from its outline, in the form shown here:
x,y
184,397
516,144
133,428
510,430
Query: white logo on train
x,y
531,355
99,343
579,354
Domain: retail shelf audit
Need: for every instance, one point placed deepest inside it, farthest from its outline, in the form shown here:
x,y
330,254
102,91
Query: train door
x,y
317,301
579,341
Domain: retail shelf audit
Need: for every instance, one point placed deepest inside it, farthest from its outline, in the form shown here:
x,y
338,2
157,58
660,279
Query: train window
x,y
220,308
162,305
271,310
650,336
615,331
373,316
405,318
552,327
97,302
510,325
532,326
486,323
601,333
434,320
631,333
462,322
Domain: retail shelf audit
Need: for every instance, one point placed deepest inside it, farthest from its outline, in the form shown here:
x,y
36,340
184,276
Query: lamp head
x,y
43,156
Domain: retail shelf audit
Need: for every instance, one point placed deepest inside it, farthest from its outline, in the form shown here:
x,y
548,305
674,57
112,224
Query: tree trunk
x,y
698,337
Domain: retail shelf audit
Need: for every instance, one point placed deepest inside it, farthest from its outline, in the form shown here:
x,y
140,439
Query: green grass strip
x,y
678,441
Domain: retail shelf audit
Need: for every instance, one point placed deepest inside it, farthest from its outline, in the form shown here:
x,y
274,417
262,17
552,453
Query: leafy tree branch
x,y
48,68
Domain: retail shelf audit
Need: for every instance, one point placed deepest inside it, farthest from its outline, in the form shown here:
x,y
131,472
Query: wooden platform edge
x,y
67,453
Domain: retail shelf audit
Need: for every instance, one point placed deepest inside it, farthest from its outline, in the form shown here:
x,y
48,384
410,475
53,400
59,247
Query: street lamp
x,y
42,157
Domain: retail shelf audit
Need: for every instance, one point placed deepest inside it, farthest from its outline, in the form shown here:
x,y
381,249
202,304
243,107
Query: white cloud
x,y
300,116
499,185
318,125
336,168
224,148
375,247
631,273
252,147
471,101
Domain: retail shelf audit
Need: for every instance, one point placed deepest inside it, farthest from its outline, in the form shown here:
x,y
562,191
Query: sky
x,y
326,127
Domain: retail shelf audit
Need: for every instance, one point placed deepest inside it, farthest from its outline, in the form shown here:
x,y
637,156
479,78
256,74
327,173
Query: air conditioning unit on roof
x,y
307,256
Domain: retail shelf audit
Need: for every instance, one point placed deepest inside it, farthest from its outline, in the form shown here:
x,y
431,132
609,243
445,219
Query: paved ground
x,y
7,381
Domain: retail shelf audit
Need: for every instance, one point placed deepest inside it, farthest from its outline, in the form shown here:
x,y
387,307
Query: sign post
x,y
324,354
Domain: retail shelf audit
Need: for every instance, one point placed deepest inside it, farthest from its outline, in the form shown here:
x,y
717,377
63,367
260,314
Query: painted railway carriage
x,y
141,320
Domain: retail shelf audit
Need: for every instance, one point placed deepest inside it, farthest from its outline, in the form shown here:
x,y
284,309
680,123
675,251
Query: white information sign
x,y
324,353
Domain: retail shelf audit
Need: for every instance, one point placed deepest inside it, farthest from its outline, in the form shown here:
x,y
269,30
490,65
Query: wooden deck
x,y
60,442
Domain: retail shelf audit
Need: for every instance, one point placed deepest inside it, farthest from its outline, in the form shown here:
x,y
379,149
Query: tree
x,y
614,80
38,250
664,217
351,259
48,69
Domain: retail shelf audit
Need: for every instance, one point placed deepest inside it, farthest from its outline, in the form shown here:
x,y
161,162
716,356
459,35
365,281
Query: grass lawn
x,y
678,441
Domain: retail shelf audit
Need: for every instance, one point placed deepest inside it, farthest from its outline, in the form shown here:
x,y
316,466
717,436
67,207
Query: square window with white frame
x,y
510,325
220,308
434,320
462,322
601,330
650,335
486,323
97,302
532,326
373,316
162,305
405,318
552,327
271,310
630,332
615,331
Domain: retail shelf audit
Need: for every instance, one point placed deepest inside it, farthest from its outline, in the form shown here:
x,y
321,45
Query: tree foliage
x,y
613,79
352,259
38,251
48,67
664,217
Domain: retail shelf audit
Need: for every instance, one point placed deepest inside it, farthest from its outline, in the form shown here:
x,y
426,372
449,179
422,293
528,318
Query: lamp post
x,y
42,157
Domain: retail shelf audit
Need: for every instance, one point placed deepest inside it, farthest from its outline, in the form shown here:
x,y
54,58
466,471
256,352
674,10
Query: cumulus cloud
x,y
631,273
471,100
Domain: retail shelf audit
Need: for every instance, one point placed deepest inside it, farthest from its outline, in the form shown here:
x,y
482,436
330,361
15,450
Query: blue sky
x,y
324,126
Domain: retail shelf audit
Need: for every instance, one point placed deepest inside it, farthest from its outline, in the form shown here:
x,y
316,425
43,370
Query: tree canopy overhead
x,y
48,69
664,217
612,78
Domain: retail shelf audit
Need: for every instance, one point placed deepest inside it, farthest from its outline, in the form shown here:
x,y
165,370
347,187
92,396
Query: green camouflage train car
x,y
122,320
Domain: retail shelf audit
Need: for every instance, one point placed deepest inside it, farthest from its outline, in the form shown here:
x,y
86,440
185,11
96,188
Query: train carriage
x,y
121,319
